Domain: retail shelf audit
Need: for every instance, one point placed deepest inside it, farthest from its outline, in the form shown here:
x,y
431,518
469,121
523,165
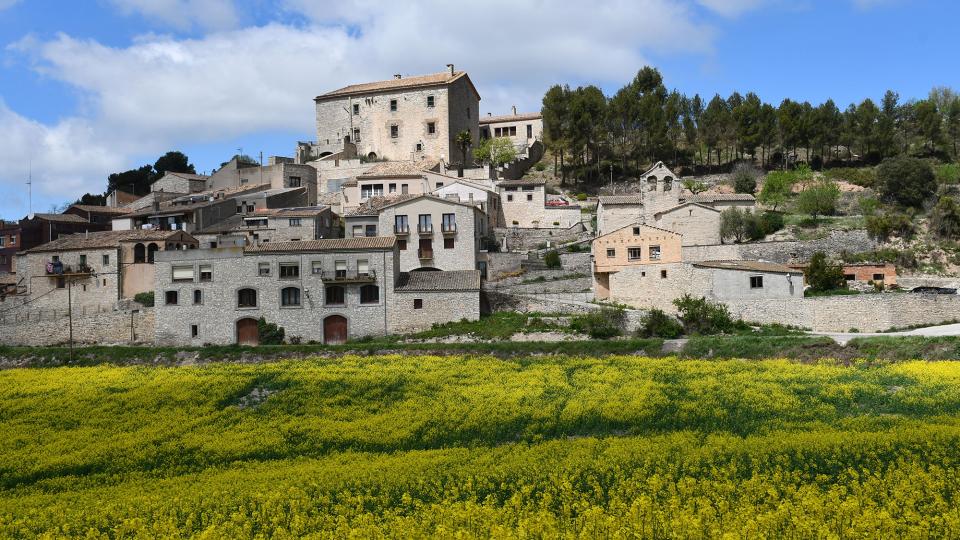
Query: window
x,y
369,294
404,189
13,239
294,181
509,198
334,296
371,230
513,131
56,258
849,277
654,253
371,190
83,260
424,223
393,105
448,243
429,101
756,282
431,128
105,260
61,282
357,231
449,222
170,298
183,273
392,188
529,196
316,268
247,298
356,108
663,274
194,330
206,272
363,267
289,270
263,269
402,245
419,147
636,231
417,303
394,131
878,277
497,132
294,222
611,252
529,131
400,224
2,239
340,267
356,134
197,296
634,253
468,112
439,185
289,297
251,208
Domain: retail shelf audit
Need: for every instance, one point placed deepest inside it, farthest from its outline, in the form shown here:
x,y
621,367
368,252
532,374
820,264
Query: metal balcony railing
x,y
401,229
425,254
343,276
425,228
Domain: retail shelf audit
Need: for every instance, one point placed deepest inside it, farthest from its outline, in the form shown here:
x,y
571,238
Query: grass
x,y
810,293
544,279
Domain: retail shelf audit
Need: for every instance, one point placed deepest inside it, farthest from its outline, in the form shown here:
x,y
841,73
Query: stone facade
x,y
109,327
400,119
784,252
280,175
697,223
182,183
525,205
522,129
468,192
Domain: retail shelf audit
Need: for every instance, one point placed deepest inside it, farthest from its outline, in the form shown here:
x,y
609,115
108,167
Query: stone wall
x,y
541,303
39,329
519,239
502,263
783,252
438,307
865,312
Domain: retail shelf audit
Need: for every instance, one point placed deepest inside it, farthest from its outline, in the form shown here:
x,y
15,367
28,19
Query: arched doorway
x,y
247,333
335,330
151,251
139,253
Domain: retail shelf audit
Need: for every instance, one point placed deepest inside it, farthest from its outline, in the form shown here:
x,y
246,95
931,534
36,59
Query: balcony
x,y
449,229
425,254
342,276
401,230
425,228
58,269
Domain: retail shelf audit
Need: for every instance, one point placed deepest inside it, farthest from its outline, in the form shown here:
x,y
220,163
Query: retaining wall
x,y
105,328
789,251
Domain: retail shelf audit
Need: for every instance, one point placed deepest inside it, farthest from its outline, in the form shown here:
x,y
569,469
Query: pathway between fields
x,y
929,331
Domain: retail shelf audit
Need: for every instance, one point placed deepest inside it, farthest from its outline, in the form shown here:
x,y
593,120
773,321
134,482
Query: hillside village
x,y
411,209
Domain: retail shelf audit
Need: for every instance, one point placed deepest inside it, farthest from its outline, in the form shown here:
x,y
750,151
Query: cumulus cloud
x,y
161,92
4,4
183,14
731,8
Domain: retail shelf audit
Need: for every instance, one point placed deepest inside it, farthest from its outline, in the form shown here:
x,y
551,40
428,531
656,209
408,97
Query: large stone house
x,y
481,194
432,233
272,225
523,129
279,173
100,268
388,179
525,206
400,119
321,290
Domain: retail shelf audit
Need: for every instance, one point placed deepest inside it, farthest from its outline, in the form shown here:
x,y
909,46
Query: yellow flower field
x,y
407,446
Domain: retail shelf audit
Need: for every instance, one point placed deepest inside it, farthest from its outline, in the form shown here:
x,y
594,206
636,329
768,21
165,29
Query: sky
x,y
92,87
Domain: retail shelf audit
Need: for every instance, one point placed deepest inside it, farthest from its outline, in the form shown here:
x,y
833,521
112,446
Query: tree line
x,y
589,132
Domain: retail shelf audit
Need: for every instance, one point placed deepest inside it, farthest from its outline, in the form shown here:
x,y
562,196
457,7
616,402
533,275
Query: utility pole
x,y
70,314
261,167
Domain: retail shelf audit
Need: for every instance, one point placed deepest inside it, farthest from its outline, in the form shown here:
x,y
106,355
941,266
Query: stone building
x,y
322,290
9,246
273,225
522,129
197,211
432,232
95,214
632,246
401,119
38,229
470,192
280,173
882,273
180,183
525,205
99,268
388,179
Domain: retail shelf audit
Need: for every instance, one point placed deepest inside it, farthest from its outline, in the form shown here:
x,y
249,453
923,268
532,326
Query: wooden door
x,y
335,330
247,333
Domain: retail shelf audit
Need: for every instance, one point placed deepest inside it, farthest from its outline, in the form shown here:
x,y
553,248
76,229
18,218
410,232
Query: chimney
x,y
451,68
514,110
489,114
396,76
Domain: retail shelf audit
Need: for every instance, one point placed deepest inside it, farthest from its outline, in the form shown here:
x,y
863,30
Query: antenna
x,y
30,188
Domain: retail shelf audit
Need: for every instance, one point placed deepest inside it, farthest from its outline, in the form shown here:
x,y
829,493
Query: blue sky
x,y
93,87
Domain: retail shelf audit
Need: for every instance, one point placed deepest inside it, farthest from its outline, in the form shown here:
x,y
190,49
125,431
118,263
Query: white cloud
x,y
731,8
184,14
4,4
869,4
162,92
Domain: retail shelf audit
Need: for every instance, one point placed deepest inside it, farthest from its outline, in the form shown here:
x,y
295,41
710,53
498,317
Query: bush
x,y
577,248
819,199
906,181
581,196
602,324
540,166
882,225
868,205
864,177
270,334
776,188
822,276
948,173
703,317
760,225
145,299
552,259
733,224
745,178
656,323
945,218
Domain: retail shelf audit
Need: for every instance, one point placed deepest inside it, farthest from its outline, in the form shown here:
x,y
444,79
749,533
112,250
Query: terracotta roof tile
x,y
519,117
100,209
748,266
715,197
373,205
330,244
608,200
523,182
405,83
400,168
104,239
451,280
61,218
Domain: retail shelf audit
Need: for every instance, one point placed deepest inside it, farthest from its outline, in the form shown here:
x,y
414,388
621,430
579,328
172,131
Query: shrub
x,y
945,218
540,166
703,317
776,188
760,225
656,323
819,199
868,205
581,196
270,333
576,248
864,177
552,259
733,224
145,298
823,276
603,324
907,181
948,173
745,178
882,225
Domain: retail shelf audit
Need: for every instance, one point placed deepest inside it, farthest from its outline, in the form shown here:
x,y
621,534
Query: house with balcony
x,y
273,225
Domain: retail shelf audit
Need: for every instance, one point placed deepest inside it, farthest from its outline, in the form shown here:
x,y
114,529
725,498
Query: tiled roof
x,y
61,218
523,182
399,168
715,197
302,211
681,205
608,200
510,118
405,83
229,224
189,176
748,266
373,205
451,280
330,244
644,225
99,209
103,240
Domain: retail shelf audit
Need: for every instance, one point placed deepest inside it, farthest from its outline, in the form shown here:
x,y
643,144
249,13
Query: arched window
x,y
667,183
369,294
334,296
290,296
139,253
247,298
372,156
652,183
151,250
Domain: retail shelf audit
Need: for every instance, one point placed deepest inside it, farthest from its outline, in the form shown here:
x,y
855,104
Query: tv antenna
x,y
30,188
